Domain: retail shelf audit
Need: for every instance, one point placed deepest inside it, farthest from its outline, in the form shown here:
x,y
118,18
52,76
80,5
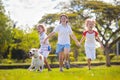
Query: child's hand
x,y
102,47
44,41
78,43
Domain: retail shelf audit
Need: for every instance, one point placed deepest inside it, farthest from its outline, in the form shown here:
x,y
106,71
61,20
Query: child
x,y
45,47
90,35
63,45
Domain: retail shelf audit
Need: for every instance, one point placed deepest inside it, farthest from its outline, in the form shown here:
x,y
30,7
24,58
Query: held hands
x,y
77,43
102,47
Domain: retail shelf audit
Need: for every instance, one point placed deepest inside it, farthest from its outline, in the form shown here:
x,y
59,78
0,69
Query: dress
x,y
44,48
90,44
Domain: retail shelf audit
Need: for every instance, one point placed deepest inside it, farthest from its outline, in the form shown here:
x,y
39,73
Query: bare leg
x,y
46,62
30,68
66,52
41,68
89,63
61,58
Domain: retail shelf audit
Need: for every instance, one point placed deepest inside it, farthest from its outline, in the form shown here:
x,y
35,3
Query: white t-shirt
x,y
90,38
42,37
64,33
44,47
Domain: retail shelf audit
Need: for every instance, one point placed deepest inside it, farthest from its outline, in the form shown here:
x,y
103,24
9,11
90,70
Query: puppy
x,y
37,60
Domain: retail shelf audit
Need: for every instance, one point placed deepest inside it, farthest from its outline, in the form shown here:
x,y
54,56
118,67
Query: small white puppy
x,y
37,60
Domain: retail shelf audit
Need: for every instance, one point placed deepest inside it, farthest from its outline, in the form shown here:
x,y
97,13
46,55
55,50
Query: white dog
x,y
37,60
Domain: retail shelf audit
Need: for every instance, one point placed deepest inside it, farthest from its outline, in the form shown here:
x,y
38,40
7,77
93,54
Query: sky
x,y
27,13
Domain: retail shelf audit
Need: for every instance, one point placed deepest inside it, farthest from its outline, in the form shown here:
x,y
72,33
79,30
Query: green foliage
x,y
72,57
52,58
101,57
5,31
112,55
24,41
116,58
7,61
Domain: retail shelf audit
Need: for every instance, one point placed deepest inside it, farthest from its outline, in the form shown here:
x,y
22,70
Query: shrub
x,y
100,57
7,61
111,55
52,58
82,59
72,59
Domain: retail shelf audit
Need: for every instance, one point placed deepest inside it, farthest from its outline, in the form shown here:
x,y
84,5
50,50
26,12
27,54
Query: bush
x,y
28,60
72,59
100,57
82,59
116,58
7,61
111,55
52,58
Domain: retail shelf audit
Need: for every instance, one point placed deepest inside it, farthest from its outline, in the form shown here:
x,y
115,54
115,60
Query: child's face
x,y
40,29
63,19
90,25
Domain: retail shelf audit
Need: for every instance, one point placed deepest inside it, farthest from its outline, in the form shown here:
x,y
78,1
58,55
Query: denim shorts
x,y
60,48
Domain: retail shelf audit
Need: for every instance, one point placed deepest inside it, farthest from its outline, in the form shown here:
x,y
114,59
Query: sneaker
x,y
61,69
67,65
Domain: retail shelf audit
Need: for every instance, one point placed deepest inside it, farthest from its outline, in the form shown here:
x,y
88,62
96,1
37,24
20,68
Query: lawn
x,y
96,73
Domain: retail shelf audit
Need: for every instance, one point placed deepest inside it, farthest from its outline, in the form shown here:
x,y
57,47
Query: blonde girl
x,y
90,37
45,47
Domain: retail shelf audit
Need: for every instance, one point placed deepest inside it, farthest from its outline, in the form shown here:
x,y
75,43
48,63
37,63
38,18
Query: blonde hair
x,y
90,20
42,26
65,16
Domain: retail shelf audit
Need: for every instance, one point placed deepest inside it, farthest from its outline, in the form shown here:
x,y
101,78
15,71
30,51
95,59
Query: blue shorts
x,y
60,48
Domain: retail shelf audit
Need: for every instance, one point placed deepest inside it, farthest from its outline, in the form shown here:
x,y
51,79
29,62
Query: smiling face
x,y
63,19
40,29
90,24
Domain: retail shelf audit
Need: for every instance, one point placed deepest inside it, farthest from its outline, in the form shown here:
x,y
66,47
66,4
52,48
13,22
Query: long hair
x,y
42,26
65,16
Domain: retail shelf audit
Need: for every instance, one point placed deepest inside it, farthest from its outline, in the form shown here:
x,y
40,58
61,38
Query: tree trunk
x,y
107,57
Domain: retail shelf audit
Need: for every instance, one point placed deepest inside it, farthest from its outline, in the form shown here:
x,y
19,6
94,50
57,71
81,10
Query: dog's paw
x,y
30,70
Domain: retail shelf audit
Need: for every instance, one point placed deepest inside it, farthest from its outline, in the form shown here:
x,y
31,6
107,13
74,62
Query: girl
x,y
90,35
63,45
45,47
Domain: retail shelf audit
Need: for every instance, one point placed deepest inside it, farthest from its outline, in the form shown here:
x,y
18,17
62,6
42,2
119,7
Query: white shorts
x,y
44,51
90,52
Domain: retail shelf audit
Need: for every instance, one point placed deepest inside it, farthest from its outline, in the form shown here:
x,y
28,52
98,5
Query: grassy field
x,y
96,73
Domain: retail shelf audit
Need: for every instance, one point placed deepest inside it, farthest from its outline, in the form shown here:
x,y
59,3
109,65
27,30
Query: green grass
x,y
96,73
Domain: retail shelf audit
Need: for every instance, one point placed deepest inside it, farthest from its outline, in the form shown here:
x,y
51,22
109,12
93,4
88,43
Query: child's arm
x,y
100,42
82,39
49,35
75,39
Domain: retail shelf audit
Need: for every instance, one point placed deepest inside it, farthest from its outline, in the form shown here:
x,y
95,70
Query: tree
x,y
22,42
5,31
